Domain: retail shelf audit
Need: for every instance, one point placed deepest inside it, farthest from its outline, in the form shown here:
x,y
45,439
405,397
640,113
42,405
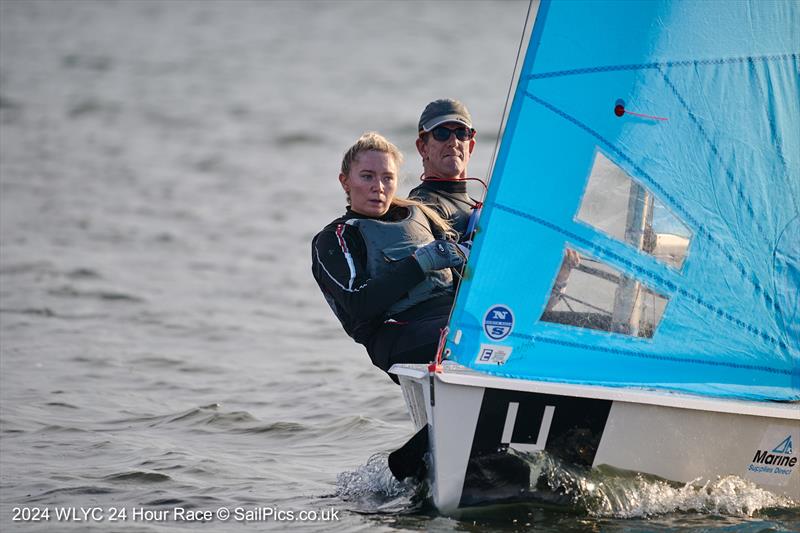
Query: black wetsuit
x,y
450,199
339,264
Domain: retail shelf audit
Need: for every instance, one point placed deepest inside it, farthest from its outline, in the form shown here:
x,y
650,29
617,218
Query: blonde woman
x,y
384,267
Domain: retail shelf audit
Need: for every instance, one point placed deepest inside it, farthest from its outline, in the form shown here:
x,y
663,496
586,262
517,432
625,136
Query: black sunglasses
x,y
441,133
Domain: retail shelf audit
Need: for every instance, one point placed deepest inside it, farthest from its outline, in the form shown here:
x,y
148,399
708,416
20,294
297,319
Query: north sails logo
x,y
498,322
781,455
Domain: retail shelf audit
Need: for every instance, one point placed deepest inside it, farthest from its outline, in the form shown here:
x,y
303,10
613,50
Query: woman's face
x,y
371,183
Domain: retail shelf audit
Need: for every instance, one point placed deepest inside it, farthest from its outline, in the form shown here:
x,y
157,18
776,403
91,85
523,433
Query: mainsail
x,y
659,141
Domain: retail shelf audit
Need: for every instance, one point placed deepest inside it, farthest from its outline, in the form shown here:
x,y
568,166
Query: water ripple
x,y
276,428
173,502
62,404
105,295
83,273
37,267
83,489
46,312
137,476
57,428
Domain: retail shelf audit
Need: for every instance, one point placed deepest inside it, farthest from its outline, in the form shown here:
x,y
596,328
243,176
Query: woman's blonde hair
x,y
373,141
370,141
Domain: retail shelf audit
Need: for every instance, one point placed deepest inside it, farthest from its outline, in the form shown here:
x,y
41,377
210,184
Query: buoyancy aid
x,y
451,201
388,242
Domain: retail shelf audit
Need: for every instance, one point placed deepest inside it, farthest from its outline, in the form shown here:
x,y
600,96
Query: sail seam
x,y
660,65
652,275
736,184
656,186
633,353
675,359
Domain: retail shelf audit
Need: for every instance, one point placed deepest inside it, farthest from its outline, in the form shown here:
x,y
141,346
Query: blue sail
x,y
658,143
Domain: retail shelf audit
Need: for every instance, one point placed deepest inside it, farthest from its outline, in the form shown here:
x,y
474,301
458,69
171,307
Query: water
x,y
164,166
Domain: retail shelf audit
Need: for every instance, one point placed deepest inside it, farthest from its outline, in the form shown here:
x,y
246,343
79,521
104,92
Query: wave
x,y
46,312
57,428
106,295
297,139
89,62
372,489
137,476
34,267
206,415
610,492
83,273
62,404
159,361
277,428
42,311
600,493
173,502
82,489
211,418
343,429
93,106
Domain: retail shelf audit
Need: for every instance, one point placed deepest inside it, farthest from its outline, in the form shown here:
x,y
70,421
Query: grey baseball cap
x,y
441,111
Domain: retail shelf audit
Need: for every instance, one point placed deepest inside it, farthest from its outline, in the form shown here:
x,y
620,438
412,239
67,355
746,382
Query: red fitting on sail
x,y
619,110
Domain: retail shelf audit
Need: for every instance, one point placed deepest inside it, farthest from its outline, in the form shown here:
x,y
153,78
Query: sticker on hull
x,y
776,458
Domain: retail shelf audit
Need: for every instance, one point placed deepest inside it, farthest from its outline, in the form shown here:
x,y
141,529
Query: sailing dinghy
x,y
660,141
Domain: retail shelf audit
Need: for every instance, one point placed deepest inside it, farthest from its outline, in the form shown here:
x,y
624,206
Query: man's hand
x,y
571,260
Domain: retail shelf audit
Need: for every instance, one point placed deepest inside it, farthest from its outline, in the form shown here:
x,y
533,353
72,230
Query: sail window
x,y
625,209
598,296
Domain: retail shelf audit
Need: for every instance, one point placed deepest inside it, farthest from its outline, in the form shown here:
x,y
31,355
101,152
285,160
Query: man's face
x,y
445,159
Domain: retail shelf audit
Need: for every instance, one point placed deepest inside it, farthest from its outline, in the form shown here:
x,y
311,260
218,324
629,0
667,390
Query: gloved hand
x,y
439,254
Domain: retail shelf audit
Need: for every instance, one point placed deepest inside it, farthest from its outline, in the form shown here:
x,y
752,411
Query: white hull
x,y
678,437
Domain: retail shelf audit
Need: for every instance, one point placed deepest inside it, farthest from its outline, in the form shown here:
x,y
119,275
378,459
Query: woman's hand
x,y
438,255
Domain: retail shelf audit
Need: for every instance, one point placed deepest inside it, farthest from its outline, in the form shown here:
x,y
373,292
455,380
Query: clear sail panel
x,y
597,296
626,210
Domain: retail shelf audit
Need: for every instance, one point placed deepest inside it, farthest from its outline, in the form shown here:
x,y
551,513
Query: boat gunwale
x,y
455,374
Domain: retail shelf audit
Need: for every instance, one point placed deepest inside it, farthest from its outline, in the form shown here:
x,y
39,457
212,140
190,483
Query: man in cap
x,y
446,140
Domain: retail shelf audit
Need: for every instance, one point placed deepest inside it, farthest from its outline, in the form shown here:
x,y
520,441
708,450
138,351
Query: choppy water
x,y
163,167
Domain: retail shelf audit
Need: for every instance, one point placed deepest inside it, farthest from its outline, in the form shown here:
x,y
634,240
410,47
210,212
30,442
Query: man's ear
x,y
471,145
422,148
